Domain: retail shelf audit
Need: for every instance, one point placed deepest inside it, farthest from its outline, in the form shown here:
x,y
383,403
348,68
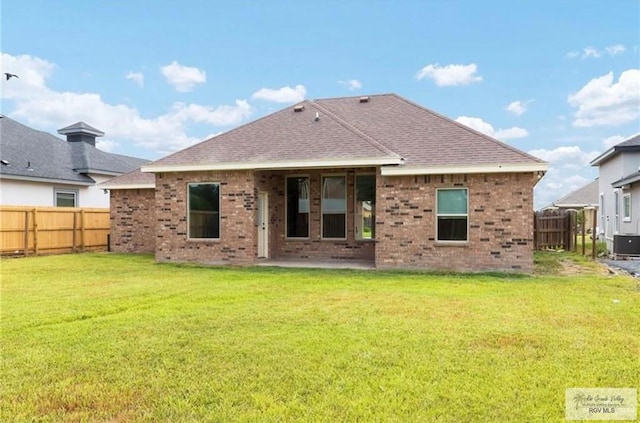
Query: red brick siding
x,y
133,223
500,223
237,243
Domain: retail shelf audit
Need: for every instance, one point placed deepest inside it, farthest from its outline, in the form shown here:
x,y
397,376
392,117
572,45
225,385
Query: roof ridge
x,y
355,130
465,127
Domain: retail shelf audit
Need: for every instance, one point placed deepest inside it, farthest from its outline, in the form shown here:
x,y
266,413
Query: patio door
x,y
263,225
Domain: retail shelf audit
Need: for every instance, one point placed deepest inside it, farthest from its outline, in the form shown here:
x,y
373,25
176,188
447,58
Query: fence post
x,y
26,233
35,231
594,235
75,229
82,234
584,218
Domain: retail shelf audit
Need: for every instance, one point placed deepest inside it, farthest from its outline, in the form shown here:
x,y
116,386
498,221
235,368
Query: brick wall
x,y
500,223
237,243
133,223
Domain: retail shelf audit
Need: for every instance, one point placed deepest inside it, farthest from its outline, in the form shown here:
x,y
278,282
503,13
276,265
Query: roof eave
x,y
459,169
47,180
127,186
288,164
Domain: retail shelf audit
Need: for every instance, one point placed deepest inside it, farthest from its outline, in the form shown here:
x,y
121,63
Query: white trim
x,y
125,186
75,192
286,164
48,180
346,205
466,215
458,169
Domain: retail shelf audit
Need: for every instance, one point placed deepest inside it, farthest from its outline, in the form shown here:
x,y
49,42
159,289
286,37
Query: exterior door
x,y
263,225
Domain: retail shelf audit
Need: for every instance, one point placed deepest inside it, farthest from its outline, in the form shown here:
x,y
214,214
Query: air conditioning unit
x,y
626,245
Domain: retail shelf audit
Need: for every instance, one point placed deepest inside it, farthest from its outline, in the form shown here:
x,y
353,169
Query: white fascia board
x,y
458,169
47,180
106,185
602,157
289,164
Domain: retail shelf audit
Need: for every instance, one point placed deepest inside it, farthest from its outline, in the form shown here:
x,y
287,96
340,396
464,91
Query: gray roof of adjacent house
x,y
379,130
630,144
586,196
29,154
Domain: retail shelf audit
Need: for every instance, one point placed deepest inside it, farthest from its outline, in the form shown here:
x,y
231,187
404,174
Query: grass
x,y
105,337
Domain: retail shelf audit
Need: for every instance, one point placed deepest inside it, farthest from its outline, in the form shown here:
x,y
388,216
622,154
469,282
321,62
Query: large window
x,y
452,214
65,198
626,207
204,210
365,210
334,207
298,207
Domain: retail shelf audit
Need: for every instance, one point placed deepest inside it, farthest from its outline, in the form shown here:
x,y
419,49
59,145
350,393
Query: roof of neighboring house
x,y
586,196
379,130
630,144
29,154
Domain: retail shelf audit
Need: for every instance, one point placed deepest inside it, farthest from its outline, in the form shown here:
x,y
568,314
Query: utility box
x,y
626,245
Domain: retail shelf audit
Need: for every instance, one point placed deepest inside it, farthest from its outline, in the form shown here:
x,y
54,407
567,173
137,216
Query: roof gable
x,y
584,196
630,144
377,130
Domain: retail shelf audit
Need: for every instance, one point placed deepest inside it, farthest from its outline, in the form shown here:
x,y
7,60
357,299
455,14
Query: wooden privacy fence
x,y
554,229
50,230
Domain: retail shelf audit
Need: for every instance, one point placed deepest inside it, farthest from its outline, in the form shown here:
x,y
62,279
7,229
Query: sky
x,y
558,79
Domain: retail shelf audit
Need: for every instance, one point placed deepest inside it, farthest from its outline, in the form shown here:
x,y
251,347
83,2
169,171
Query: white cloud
x,y
47,109
352,84
615,49
183,78
590,52
450,74
136,77
106,145
487,129
518,107
594,53
566,156
611,141
605,102
282,95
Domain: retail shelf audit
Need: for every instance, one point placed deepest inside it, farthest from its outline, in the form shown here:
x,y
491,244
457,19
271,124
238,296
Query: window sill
x,y
452,243
200,240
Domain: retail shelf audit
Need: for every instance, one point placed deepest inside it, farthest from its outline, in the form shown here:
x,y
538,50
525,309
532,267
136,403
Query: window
x,y
365,210
452,214
626,207
334,207
298,207
65,198
204,210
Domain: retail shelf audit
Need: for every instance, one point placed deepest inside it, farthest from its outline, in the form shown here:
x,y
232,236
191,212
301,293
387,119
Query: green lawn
x,y
118,338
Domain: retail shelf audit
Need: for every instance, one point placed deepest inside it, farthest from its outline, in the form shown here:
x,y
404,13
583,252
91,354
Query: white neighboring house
x,y
40,169
619,190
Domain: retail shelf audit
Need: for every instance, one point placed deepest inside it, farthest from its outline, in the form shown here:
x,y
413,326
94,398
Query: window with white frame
x,y
452,214
65,198
297,194
365,207
334,207
626,207
204,210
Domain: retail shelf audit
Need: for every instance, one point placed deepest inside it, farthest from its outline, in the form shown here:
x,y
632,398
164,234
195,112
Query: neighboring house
x,y
585,197
619,190
377,179
40,169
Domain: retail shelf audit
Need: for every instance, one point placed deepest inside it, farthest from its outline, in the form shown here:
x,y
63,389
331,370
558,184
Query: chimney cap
x,y
364,99
80,128
298,108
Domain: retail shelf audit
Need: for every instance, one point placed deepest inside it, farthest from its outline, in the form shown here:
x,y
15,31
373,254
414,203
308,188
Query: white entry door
x,y
263,225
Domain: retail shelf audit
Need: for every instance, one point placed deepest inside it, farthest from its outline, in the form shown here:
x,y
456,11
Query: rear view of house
x,y
377,179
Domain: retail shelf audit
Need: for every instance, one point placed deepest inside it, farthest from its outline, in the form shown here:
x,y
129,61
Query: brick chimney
x,y
81,132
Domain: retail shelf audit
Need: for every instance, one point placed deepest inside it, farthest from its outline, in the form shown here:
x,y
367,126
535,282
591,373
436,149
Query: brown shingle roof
x,y
131,180
385,130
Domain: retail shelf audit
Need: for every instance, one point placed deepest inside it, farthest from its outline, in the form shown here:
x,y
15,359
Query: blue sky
x,y
558,79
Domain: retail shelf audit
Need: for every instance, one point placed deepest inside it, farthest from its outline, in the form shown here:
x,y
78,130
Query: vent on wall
x,y
298,108
364,99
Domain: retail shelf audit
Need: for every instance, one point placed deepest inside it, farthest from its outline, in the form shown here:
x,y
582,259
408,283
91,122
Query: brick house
x,y
374,179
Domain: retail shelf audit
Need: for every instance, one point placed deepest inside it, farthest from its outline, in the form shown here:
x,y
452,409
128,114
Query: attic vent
x,y
364,99
298,108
